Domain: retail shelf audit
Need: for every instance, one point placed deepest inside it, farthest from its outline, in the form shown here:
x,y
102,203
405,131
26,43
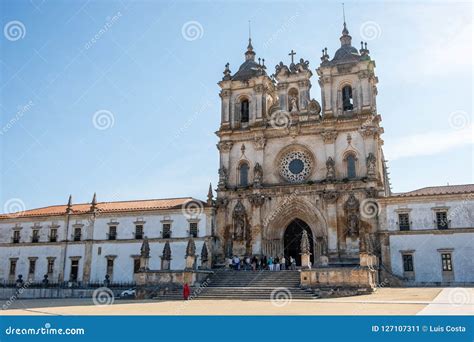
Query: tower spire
x,y
346,39
250,54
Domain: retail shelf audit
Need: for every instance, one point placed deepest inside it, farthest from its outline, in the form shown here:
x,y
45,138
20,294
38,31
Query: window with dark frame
x,y
12,267
32,267
136,265
347,101
16,236
404,221
166,230
244,111
139,231
112,232
110,266
35,236
50,266
77,234
442,219
53,236
244,174
446,261
407,262
193,229
351,167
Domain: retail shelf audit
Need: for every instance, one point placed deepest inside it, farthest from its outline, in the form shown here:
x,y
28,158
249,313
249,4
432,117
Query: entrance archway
x,y
292,240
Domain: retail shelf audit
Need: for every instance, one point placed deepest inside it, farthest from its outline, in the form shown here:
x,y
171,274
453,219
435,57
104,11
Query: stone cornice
x,y
449,231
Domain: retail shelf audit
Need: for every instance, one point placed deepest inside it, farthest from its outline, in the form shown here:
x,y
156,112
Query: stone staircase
x,y
247,285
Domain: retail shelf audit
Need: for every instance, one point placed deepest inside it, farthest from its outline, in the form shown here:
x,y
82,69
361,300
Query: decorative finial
x,y
250,54
209,195
94,203
69,205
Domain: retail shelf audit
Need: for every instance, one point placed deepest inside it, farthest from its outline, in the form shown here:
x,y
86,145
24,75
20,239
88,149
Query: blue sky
x,y
154,87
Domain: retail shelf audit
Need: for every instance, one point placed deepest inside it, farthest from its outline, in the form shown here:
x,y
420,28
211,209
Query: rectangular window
x,y
77,234
136,265
32,267
74,270
404,221
446,261
166,230
35,236
110,266
12,267
50,266
53,236
193,229
442,219
407,262
16,236
139,231
112,232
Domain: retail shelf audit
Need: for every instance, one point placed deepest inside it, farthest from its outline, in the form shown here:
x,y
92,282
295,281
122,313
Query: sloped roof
x,y
438,190
108,207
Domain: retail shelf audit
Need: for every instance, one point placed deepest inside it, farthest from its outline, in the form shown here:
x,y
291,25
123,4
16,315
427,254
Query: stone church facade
x,y
289,166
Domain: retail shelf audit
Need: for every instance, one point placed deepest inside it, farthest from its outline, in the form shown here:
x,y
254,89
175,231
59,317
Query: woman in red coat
x,y
186,291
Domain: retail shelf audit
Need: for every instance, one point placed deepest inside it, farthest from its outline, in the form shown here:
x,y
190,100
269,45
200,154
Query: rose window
x,y
295,166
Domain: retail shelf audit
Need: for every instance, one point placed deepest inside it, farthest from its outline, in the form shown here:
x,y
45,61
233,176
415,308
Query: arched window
x,y
244,174
347,102
244,111
351,166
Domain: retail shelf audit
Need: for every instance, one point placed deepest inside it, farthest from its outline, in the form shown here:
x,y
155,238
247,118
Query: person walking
x,y
292,263
254,263
264,262
277,264
186,291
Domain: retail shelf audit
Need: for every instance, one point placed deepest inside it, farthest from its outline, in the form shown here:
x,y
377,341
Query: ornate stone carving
x,y
293,104
314,107
351,208
227,73
223,175
372,193
256,199
222,202
371,165
257,175
225,146
145,249
259,88
204,253
166,252
304,244
330,196
330,168
239,218
191,248
329,137
259,143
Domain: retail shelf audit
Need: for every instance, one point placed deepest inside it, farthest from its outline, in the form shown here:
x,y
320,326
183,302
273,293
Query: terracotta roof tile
x,y
108,207
438,190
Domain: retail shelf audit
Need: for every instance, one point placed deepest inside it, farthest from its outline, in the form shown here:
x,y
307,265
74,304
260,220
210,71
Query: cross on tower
x,y
292,54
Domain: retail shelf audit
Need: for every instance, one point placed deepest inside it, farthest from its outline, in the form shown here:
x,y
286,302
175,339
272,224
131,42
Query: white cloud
x,y
430,143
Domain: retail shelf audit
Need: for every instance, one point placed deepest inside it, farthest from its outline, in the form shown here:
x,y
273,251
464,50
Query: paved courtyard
x,y
386,301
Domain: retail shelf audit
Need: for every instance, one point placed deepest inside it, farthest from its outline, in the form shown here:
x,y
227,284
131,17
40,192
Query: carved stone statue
x,y
145,249
331,168
351,208
223,175
239,217
371,165
257,175
293,104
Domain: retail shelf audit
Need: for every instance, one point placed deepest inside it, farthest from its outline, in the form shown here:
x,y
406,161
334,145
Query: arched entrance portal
x,y
292,240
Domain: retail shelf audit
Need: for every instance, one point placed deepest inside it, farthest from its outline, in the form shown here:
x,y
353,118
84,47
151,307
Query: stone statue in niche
x,y
371,161
257,175
351,208
239,218
331,168
223,174
293,104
